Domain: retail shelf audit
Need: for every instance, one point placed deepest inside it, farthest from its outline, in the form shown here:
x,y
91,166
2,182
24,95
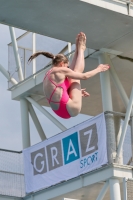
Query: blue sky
x,y
10,121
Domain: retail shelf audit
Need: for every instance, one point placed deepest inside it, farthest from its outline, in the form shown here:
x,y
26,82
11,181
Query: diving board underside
x,y
63,19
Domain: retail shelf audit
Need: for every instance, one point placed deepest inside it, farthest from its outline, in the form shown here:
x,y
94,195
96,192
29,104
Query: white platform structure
x,y
108,25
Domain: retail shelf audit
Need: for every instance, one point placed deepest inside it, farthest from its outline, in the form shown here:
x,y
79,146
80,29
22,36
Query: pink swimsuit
x,y
62,111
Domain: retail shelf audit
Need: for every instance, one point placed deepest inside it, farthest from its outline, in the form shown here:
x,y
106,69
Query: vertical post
x,y
34,50
114,189
105,86
24,63
69,49
16,54
131,124
124,189
25,123
107,106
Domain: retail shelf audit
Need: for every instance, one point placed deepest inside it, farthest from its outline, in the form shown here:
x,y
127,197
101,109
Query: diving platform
x,y
52,26
103,21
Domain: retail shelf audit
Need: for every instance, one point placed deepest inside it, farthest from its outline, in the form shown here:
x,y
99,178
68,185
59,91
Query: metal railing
x,y
25,50
11,173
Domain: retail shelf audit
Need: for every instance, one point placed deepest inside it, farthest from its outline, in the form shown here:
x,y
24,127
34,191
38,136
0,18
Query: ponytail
x,y
48,55
55,59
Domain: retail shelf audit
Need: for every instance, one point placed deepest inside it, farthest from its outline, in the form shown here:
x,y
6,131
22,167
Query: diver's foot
x,y
81,41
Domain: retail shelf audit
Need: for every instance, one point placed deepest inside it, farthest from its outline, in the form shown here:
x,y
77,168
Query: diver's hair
x,y
56,59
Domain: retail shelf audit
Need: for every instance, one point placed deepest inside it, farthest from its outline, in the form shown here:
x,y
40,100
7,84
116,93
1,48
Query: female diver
x,y
62,84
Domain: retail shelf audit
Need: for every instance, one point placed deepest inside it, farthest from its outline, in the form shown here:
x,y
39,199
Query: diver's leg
x,y
78,59
75,98
79,63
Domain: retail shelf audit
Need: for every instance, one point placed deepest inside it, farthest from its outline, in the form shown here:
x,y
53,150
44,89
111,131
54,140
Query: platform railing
x,y
13,74
26,45
11,173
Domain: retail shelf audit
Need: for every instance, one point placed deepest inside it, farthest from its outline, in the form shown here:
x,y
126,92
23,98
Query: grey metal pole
x,y
114,189
36,122
107,106
69,51
131,124
16,54
47,114
124,189
69,47
25,123
24,63
105,85
34,50
124,128
103,191
117,83
6,74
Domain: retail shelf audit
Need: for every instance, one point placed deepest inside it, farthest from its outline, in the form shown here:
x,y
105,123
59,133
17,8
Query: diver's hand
x,y
84,93
103,68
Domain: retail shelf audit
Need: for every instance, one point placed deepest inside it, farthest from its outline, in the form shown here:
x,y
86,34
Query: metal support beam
x,y
103,191
69,50
16,54
114,189
117,83
47,114
131,124
6,74
69,47
124,189
36,122
124,128
105,85
107,106
25,123
34,50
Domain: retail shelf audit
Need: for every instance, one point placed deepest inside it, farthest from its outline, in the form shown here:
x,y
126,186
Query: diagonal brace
x,y
6,74
47,114
103,191
36,122
124,128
